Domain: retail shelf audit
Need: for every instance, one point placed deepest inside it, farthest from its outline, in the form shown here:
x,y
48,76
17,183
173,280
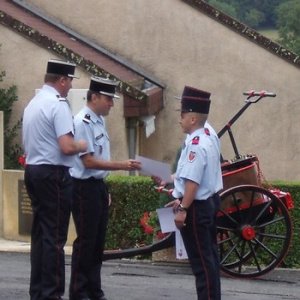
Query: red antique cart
x,y
254,224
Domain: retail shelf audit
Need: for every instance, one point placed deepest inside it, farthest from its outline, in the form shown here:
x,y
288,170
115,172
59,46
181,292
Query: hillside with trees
x,y
282,16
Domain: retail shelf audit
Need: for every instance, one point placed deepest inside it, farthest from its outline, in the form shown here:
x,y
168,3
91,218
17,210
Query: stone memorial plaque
x,y
25,211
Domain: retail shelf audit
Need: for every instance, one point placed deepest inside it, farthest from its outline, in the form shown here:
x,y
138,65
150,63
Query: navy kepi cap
x,y
60,67
195,100
104,86
195,104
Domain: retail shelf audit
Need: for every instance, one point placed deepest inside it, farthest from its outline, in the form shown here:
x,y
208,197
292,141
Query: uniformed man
x,y
49,148
91,197
189,91
197,181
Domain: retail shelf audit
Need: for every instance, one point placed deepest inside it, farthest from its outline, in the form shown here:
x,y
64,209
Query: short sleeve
x,y
194,164
63,120
83,131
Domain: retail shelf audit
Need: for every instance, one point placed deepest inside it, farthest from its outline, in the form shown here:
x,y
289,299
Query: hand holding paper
x,y
155,168
167,224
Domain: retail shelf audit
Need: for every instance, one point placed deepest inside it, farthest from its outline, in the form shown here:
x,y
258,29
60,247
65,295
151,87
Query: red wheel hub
x,y
248,233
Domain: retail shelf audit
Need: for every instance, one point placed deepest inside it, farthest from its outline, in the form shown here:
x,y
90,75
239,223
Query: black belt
x,y
50,167
211,197
89,179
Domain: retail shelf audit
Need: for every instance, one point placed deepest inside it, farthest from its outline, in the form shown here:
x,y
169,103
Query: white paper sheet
x,y
157,168
166,219
167,224
180,248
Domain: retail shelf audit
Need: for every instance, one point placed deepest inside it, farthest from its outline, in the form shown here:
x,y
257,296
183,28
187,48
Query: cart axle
x,y
248,233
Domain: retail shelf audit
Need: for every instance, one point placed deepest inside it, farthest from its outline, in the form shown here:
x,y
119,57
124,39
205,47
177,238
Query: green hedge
x,y
292,260
131,197
134,195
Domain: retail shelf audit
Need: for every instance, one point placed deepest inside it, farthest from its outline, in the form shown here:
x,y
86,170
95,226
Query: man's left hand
x,y
180,217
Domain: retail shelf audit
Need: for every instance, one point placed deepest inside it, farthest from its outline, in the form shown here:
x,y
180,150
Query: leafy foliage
x,y
254,13
288,22
225,7
132,196
260,14
292,260
12,150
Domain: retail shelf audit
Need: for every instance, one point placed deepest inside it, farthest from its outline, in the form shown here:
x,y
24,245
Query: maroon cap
x,y
195,104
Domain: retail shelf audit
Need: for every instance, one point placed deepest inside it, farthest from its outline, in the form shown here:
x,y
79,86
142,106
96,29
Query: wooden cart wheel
x,y
254,231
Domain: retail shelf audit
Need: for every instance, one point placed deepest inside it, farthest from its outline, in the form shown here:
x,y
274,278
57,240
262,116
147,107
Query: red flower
x,y
160,235
148,229
150,224
22,160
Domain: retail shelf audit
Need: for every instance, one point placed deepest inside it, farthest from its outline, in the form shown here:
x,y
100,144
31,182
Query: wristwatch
x,y
181,208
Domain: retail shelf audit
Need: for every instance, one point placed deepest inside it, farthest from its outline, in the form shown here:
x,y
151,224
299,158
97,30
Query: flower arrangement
x,y
150,224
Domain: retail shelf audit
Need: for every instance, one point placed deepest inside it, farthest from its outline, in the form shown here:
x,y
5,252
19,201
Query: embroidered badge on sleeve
x,y
192,156
196,140
206,130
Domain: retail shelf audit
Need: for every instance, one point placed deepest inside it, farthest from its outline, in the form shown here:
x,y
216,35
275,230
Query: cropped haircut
x,y
52,77
201,118
89,95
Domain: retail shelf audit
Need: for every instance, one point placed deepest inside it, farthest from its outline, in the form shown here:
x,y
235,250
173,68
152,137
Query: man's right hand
x,y
131,165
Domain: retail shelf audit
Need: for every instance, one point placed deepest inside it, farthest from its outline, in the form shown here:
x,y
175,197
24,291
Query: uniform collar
x,y
94,118
50,89
191,136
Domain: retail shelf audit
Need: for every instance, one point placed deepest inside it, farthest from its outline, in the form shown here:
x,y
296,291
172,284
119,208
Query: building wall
x,y
25,65
1,178
181,46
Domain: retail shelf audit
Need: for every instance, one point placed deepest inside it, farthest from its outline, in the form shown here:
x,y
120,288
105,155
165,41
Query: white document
x,y
166,219
167,224
157,168
180,248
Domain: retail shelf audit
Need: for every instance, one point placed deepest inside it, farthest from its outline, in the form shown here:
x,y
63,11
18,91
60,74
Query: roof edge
x,y
59,49
129,65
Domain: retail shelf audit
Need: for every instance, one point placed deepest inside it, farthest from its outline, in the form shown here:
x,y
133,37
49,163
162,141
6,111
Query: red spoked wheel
x,y
254,231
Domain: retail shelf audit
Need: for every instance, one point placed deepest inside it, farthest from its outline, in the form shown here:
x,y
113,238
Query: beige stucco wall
x,y
1,167
179,45
25,66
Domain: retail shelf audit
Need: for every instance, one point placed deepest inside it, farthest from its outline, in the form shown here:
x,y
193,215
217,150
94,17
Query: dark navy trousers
x,y
50,190
90,214
200,240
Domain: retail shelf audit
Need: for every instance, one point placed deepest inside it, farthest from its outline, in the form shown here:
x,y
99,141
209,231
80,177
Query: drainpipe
x,y
1,172
132,134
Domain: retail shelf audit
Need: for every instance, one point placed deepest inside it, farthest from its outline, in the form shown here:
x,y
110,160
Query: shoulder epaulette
x,y
62,98
87,119
196,140
206,130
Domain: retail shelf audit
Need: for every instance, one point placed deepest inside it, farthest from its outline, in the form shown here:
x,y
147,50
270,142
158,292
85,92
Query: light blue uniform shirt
x,y
199,162
45,119
91,128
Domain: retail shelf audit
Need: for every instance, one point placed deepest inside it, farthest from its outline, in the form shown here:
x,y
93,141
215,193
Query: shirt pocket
x,y
99,143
